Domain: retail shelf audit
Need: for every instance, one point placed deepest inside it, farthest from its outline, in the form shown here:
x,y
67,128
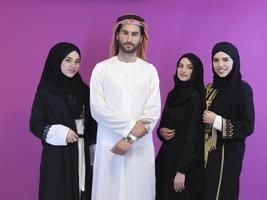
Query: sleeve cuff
x,y
128,128
228,129
57,135
181,170
218,123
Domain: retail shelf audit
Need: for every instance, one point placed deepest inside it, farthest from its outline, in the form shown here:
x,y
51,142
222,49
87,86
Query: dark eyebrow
x,y
72,58
134,32
222,57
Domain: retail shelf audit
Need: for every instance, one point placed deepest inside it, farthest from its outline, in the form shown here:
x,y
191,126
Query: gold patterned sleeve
x,y
227,129
242,122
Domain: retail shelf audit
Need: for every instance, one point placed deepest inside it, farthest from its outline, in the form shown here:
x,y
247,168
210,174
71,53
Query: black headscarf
x,y
183,89
52,77
136,17
228,85
234,76
56,82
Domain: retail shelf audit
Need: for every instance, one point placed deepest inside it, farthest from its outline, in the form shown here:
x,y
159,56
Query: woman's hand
x,y
179,182
166,133
208,117
72,136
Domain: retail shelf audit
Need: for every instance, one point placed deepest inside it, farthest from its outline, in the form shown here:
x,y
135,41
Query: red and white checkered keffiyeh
x,y
114,48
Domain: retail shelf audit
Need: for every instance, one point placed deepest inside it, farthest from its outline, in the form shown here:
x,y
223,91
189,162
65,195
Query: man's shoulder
x,y
146,64
106,61
140,60
102,65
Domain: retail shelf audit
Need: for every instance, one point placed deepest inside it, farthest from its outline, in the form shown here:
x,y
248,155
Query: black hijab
x,y
234,76
52,78
183,89
227,86
57,83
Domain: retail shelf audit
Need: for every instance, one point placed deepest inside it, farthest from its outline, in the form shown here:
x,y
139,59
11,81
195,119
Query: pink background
x,y
29,29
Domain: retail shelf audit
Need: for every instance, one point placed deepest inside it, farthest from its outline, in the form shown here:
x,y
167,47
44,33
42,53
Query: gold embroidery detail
x,y
228,129
210,133
210,95
221,174
210,144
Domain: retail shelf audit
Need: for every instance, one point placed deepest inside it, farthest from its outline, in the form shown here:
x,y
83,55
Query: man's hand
x,y
140,128
166,133
178,182
72,136
122,147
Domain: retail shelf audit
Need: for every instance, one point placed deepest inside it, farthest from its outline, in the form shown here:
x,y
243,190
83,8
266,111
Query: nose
x,y
183,69
73,65
220,63
129,38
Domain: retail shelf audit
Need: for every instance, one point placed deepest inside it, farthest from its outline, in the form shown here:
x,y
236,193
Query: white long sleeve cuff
x,y
57,135
218,123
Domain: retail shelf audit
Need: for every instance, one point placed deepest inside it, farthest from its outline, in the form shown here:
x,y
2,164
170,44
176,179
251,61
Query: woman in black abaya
x,y
179,161
229,120
61,118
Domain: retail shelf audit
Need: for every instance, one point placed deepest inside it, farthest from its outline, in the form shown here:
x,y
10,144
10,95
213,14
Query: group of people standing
x,y
203,130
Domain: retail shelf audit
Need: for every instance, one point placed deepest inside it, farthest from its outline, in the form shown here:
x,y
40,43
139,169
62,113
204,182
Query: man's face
x,y
129,38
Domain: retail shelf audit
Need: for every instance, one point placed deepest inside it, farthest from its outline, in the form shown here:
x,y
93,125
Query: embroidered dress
x,y
224,150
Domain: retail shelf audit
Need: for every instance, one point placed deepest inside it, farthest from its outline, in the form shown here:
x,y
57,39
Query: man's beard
x,y
126,50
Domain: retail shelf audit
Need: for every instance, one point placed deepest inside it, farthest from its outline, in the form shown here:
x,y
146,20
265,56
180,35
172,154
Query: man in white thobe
x,y
125,101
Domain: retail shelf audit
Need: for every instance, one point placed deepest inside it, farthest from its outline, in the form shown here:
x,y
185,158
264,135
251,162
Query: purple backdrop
x,y
29,29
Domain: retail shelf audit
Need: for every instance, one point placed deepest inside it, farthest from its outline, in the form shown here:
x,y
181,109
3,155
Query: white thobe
x,y
121,94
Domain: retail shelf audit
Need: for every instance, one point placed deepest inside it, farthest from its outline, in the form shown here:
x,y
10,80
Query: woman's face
x,y
184,69
222,64
70,64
